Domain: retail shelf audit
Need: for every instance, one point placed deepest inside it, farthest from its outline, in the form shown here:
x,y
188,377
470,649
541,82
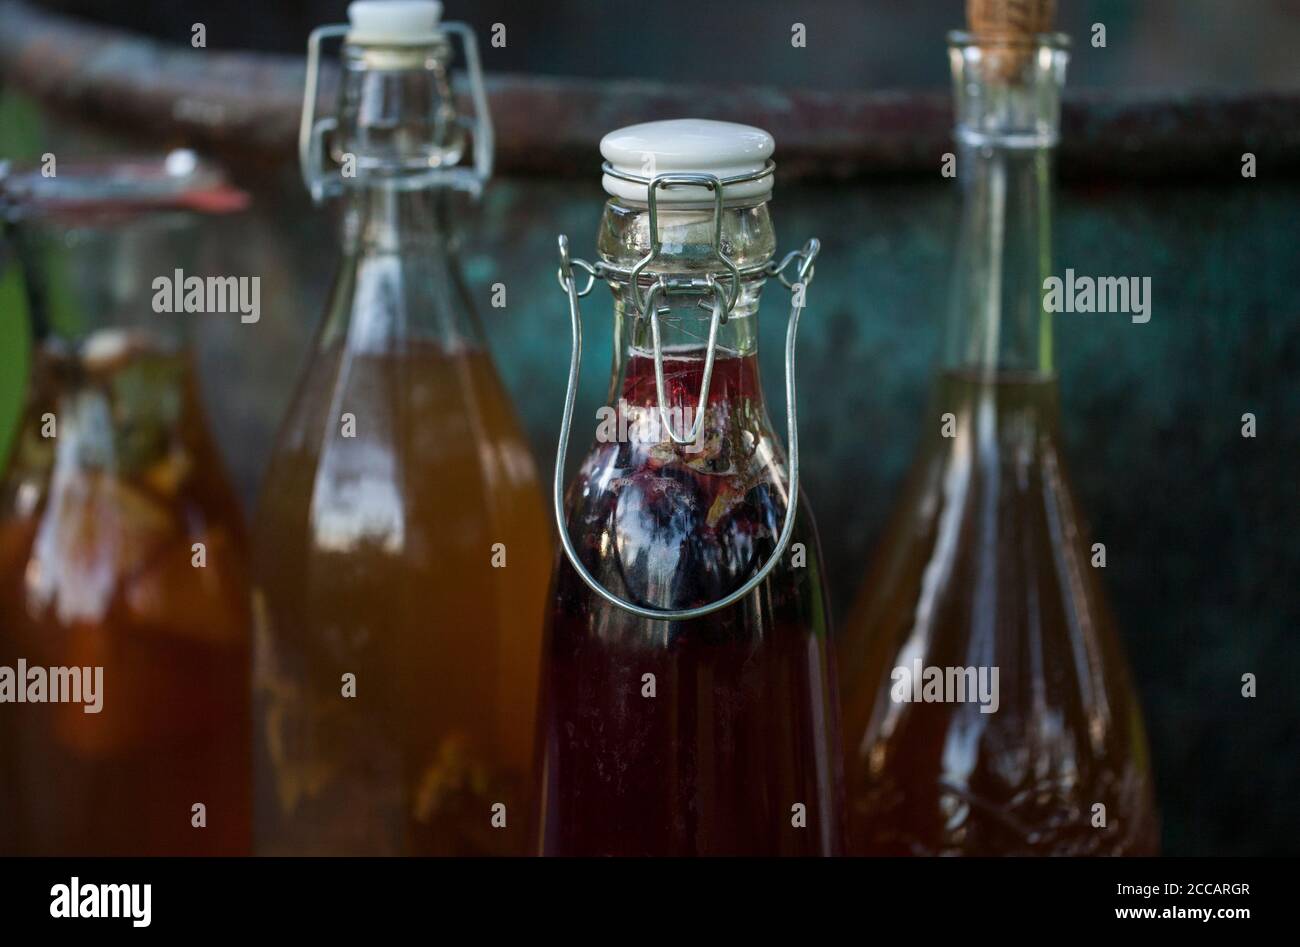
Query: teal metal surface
x,y
1200,524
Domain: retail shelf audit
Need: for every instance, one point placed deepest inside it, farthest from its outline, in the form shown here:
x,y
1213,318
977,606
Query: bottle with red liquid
x,y
688,698
986,568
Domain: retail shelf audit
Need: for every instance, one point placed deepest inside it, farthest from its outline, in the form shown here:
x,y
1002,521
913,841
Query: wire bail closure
x,y
722,304
322,182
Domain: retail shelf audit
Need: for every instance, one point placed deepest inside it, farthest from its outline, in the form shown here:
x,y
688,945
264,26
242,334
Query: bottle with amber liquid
x,y
688,698
122,547
988,708
402,548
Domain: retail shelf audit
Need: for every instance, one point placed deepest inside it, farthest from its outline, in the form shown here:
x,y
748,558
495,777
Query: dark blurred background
x,y
1199,523
854,44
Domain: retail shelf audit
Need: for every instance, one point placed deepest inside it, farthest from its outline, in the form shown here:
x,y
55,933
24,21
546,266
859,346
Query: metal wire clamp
x,y
312,132
722,304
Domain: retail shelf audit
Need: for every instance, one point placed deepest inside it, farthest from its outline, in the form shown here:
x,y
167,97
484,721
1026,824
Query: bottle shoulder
x,y
115,508
376,443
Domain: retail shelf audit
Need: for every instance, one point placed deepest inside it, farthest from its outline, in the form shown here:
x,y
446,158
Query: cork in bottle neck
x,y
1007,29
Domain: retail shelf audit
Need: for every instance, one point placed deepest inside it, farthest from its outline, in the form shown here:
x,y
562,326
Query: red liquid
x,y
741,727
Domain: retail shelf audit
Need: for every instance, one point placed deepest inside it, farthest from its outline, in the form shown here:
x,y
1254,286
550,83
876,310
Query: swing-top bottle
x,y
688,696
402,547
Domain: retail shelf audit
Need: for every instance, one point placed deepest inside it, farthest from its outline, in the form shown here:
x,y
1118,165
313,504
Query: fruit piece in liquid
x,y
97,527
376,555
986,564
741,726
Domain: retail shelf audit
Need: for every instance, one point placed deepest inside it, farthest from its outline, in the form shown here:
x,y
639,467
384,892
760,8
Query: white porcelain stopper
x,y
723,149
394,22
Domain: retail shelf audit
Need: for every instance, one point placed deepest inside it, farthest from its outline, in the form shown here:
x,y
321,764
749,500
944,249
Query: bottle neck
x,y
1008,103
401,282
397,113
997,322
686,253
380,217
122,297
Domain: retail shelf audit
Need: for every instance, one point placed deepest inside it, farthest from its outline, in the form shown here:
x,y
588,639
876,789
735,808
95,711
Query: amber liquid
x,y
741,726
987,564
378,558
97,526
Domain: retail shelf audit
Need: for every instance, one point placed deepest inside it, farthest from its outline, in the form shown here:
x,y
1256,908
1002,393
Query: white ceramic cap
x,y
723,149
394,22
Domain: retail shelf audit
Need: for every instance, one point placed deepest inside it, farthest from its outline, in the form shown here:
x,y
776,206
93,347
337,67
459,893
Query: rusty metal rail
x,y
244,106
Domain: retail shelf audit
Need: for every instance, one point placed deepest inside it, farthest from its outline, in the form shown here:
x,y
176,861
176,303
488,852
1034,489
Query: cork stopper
x,y
1007,29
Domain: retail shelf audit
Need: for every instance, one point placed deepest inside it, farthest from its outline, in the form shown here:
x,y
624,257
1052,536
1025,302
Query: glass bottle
x,y
689,704
986,564
122,546
402,548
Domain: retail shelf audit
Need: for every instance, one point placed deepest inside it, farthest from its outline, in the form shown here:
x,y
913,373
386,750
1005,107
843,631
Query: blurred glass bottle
x,y
112,482
402,548
689,704
986,563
